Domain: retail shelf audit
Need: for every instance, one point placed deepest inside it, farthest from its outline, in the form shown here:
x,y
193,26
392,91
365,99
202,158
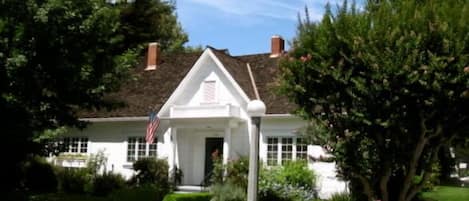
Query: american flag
x,y
153,123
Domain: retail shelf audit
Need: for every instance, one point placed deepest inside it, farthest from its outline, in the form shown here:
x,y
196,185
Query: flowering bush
x,y
292,181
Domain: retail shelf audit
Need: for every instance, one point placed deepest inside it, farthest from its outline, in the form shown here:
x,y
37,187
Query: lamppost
x,y
256,109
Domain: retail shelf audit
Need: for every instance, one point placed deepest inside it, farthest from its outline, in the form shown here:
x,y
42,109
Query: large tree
x,y
146,21
61,56
385,87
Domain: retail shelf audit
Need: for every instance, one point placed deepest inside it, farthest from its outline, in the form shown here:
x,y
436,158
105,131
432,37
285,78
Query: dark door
x,y
213,149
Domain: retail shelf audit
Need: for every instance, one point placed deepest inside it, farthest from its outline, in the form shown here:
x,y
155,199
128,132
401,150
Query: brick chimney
x,y
153,56
277,46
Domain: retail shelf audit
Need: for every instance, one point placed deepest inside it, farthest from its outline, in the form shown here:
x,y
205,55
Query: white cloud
x,y
274,9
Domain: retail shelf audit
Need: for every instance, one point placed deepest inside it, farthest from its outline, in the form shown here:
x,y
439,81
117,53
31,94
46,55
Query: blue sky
x,y
243,26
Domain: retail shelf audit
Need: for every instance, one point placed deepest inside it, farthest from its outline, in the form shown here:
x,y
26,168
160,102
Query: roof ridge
x,y
256,54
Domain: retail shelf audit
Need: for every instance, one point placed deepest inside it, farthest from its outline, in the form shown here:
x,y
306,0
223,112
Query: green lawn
x,y
447,193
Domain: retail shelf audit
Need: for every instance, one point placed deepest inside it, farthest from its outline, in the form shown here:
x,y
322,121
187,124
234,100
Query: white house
x,y
201,99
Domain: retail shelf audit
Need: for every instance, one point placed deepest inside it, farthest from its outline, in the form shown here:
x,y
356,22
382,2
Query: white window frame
x,y
82,140
148,149
280,152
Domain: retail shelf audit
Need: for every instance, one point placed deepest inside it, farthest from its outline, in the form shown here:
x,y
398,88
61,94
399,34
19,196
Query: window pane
x,y
287,149
272,151
301,149
74,146
141,148
66,144
152,149
131,143
84,145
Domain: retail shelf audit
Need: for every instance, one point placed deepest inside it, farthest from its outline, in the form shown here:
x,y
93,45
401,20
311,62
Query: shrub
x,y
176,176
75,180
292,181
106,183
151,171
236,172
96,163
295,173
147,192
188,197
39,176
341,197
228,192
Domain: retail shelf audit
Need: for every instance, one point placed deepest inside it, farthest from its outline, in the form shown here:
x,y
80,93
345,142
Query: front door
x,y
213,149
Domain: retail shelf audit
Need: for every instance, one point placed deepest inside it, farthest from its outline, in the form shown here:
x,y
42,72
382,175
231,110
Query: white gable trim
x,y
207,54
228,75
115,119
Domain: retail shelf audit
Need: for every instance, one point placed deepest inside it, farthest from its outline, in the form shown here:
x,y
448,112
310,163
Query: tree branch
x,y
415,158
383,183
426,175
367,186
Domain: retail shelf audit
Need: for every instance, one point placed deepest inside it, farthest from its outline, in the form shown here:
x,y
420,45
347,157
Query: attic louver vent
x,y
209,91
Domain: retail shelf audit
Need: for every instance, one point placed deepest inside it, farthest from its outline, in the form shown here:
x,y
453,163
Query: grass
x,y
447,193
187,197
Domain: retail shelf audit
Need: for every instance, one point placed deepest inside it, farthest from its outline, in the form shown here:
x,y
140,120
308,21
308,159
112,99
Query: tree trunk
x,y
426,176
412,167
368,190
383,183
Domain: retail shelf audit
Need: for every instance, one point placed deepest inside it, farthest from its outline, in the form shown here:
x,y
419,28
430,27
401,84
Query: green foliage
x,y
106,183
432,181
176,176
294,173
96,162
48,73
384,88
144,192
292,181
63,197
217,172
187,197
144,21
75,180
152,171
447,193
39,176
227,192
236,172
230,181
341,197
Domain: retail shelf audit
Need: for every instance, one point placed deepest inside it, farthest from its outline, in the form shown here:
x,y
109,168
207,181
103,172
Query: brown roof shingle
x,y
152,89
266,74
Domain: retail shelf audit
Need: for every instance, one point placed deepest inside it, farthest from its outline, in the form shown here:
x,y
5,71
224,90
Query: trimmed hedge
x,y
188,197
146,192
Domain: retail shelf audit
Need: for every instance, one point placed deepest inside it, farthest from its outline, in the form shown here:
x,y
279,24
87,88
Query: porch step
x,y
190,189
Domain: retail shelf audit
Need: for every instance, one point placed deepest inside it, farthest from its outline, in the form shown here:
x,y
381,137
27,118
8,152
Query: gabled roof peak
x,y
224,51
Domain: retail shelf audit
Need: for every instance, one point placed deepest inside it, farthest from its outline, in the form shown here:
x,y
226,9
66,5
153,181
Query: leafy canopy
x,y
385,87
58,57
144,21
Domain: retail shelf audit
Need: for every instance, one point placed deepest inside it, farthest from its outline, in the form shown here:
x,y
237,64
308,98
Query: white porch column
x,y
175,148
173,158
226,145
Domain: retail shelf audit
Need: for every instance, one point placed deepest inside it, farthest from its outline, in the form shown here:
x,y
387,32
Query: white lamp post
x,y
256,109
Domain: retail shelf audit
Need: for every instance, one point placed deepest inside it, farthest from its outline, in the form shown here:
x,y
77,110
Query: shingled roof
x,y
153,88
